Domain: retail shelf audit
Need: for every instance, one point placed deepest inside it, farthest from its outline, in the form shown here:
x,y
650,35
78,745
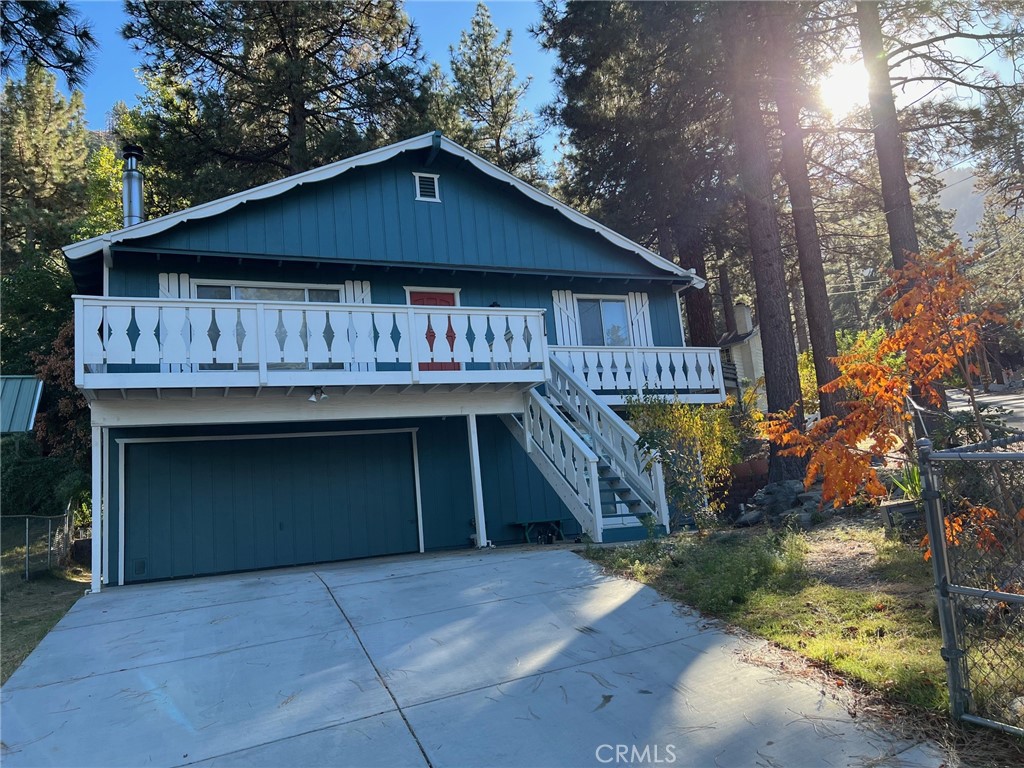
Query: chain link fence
x,y
974,508
33,545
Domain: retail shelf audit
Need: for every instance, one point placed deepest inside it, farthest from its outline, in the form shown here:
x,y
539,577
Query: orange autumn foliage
x,y
933,332
973,521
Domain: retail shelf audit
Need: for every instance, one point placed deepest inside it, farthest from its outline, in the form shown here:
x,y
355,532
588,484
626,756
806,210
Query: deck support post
x,y
97,509
478,486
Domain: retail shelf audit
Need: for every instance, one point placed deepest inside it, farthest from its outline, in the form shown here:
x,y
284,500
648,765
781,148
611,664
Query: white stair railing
x,y
566,461
613,436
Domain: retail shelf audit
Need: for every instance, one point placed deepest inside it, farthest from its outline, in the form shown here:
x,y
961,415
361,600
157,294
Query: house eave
x,y
683,282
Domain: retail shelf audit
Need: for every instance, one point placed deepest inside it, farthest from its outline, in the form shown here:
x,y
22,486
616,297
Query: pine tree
x,y
643,113
899,209
489,93
443,111
782,383
43,202
778,22
240,93
48,33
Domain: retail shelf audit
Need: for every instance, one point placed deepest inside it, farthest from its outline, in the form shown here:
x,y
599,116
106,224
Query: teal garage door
x,y
216,506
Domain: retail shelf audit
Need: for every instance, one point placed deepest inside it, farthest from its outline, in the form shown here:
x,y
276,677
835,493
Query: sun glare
x,y
844,89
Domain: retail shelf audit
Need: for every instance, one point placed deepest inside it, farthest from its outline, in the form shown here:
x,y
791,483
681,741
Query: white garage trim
x,y
478,486
97,508
105,457
120,513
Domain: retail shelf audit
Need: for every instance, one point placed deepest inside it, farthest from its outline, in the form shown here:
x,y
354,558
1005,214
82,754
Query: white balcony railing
x,y
134,343
694,374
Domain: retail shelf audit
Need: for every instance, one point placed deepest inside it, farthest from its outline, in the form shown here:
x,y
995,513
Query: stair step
x,y
623,516
620,496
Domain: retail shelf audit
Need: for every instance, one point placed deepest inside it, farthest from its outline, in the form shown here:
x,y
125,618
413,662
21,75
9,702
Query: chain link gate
x,y
974,511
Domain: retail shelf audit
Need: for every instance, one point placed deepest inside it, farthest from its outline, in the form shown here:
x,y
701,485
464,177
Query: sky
x,y
439,22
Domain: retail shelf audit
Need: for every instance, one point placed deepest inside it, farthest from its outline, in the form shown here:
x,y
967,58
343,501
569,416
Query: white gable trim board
x,y
216,207
567,316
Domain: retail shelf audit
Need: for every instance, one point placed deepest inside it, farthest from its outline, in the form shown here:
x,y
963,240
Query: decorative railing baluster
x,y
195,343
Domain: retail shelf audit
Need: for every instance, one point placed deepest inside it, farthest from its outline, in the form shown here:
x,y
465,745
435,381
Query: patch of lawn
x,y
900,562
884,639
30,609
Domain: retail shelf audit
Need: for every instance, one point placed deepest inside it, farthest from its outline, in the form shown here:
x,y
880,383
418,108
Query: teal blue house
x,y
406,351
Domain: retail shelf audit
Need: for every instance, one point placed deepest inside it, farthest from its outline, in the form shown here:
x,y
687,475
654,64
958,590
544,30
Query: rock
x,y
750,516
808,497
1015,712
81,552
802,519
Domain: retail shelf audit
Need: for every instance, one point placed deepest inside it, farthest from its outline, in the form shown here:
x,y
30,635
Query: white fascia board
x,y
215,207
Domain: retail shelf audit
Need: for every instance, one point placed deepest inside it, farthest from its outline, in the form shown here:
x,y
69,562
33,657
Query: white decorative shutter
x,y
567,322
356,292
639,309
174,285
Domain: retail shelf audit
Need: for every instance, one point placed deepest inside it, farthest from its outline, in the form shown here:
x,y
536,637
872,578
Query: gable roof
x,y
19,401
434,141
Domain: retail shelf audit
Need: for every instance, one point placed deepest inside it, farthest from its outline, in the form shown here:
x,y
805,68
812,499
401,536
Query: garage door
x,y
204,507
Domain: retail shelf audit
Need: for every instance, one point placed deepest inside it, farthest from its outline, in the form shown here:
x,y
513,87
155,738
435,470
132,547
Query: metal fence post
x,y
49,541
936,528
26,549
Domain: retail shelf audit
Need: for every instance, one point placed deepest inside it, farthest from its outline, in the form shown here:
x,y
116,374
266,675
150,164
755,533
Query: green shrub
x,y
696,445
33,484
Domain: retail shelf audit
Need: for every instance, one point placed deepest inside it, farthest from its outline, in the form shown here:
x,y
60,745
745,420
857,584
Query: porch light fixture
x,y
318,395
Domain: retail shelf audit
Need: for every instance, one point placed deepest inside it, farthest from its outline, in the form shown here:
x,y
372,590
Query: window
x,y
426,187
266,293
603,322
269,293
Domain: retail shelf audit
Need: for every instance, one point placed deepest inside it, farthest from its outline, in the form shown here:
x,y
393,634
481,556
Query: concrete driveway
x,y
507,658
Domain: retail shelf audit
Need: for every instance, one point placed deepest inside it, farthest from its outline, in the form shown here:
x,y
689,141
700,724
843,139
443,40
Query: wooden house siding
x,y
514,489
371,215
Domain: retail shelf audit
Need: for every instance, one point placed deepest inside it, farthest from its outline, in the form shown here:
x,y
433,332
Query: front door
x,y
441,340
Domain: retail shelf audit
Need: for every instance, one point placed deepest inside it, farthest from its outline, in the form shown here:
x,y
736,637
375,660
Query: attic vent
x,y
426,187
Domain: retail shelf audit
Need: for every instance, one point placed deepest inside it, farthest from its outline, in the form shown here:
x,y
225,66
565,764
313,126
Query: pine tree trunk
x,y
853,292
782,383
690,248
899,210
298,157
794,167
796,295
728,304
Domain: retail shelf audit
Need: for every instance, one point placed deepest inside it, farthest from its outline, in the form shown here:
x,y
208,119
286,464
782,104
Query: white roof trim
x,y
215,207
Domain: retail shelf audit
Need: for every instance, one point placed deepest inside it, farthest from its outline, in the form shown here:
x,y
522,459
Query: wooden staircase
x,y
590,458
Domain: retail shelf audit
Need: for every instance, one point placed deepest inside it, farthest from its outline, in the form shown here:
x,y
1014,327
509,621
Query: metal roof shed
x,y
19,400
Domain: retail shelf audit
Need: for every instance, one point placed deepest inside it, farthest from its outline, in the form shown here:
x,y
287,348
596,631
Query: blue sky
x,y
439,22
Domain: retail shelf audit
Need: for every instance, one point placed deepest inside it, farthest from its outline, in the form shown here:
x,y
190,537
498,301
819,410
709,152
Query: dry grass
x,y
30,609
842,603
